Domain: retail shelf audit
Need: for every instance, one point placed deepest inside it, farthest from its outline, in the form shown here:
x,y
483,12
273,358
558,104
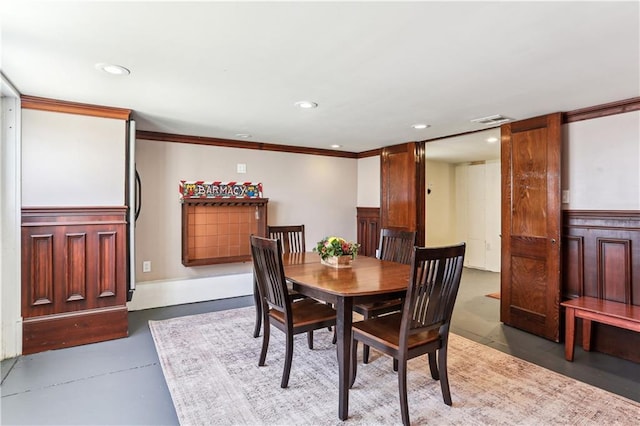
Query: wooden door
x,y
402,199
531,225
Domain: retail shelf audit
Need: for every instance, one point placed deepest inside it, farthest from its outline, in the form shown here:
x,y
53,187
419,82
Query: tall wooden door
x,y
402,188
531,225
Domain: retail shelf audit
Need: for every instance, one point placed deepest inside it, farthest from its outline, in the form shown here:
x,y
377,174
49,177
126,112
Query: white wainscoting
x,y
155,294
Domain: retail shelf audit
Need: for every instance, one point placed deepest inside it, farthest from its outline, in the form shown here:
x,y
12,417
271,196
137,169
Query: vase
x,y
338,261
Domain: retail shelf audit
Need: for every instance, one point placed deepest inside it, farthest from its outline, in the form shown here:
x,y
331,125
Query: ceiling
x,y
219,69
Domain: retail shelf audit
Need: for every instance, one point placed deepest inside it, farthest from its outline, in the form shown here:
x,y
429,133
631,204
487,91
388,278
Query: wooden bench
x,y
599,310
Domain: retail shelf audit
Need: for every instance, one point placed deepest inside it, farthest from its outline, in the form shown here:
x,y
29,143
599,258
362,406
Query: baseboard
x,y
156,294
75,328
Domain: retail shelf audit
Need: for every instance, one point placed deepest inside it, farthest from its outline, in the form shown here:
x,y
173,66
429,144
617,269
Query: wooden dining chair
x,y
291,236
423,325
396,246
292,240
278,309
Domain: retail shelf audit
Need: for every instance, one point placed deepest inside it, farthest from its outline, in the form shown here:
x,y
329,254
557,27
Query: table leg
x,y
258,303
586,334
344,307
570,333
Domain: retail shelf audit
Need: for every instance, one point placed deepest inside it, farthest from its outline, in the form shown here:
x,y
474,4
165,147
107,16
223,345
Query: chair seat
x,y
386,330
306,311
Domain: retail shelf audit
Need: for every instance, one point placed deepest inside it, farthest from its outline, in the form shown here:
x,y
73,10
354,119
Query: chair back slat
x,y
269,272
433,288
396,246
291,236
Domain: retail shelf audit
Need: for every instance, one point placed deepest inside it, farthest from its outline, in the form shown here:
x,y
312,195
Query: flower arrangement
x,y
336,246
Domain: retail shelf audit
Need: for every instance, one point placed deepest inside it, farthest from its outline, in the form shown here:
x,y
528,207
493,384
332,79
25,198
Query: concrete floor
x,y
120,382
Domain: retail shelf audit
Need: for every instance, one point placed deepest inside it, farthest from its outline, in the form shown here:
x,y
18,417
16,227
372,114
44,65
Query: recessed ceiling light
x,y
306,104
113,69
492,139
420,126
335,145
243,135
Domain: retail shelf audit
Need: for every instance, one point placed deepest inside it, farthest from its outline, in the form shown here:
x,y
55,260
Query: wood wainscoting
x,y
601,258
74,271
368,230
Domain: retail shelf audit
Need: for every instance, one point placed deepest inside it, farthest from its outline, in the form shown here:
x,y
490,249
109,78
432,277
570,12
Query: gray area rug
x,y
210,363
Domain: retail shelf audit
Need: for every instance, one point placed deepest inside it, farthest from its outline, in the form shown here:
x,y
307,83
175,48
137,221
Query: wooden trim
x,y
602,110
62,216
53,105
230,143
370,153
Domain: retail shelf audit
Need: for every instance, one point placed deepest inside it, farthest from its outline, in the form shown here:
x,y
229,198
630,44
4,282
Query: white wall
x,y
317,191
369,181
440,211
601,163
72,160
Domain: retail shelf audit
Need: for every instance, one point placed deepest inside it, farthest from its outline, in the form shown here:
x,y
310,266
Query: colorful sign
x,y
202,189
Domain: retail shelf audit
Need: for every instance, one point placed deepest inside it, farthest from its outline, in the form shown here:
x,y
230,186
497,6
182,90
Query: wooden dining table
x,y
368,279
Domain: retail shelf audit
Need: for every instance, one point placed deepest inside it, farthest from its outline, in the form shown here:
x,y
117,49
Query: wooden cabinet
x,y
402,188
73,276
368,230
218,230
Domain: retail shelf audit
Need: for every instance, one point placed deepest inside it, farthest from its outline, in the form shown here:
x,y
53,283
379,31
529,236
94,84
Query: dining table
x,y
367,279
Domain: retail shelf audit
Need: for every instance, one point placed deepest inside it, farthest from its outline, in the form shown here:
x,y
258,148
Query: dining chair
x,y
423,325
291,236
396,246
278,309
292,239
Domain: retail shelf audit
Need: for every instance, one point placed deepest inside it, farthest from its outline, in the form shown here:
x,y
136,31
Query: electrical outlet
x,y
241,168
146,266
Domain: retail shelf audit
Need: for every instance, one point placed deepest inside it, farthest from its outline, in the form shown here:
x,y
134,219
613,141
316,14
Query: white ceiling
x,y
218,69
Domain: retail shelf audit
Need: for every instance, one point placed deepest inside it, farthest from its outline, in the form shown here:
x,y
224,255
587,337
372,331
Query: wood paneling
x,y
601,258
73,271
76,283
107,264
368,230
402,189
40,292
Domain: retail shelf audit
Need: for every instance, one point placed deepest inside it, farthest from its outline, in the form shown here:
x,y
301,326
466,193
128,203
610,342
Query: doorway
x,y
463,196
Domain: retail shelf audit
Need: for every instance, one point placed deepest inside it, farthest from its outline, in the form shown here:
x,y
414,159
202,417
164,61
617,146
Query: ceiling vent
x,y
492,119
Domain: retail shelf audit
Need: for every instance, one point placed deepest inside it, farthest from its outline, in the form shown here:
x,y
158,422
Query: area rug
x,y
210,363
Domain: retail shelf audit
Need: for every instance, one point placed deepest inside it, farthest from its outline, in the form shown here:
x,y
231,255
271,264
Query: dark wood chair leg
x,y
354,362
444,376
287,361
433,366
310,339
402,386
258,303
365,348
265,342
